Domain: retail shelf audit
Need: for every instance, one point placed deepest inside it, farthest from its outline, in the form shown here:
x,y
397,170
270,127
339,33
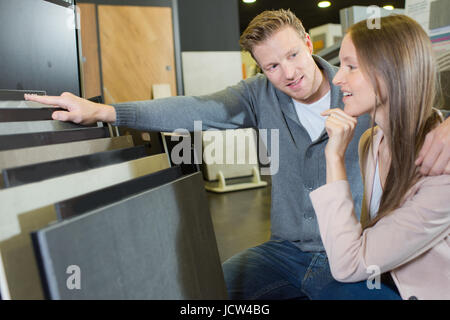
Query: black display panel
x,y
27,114
28,140
17,176
38,48
100,198
17,95
159,244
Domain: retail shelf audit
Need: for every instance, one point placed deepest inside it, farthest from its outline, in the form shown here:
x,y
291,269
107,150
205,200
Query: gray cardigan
x,y
256,103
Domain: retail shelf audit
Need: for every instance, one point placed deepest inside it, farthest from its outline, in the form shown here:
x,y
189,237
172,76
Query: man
x,y
295,88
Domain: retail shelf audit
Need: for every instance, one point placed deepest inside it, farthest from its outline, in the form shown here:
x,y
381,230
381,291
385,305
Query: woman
x,y
389,73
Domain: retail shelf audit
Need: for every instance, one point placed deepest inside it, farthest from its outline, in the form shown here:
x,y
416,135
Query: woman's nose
x,y
338,78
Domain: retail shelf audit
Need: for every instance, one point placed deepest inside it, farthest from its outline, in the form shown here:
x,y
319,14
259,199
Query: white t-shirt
x,y
309,115
377,192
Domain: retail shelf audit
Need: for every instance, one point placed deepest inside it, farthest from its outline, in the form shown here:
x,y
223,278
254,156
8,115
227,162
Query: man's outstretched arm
x,y
230,108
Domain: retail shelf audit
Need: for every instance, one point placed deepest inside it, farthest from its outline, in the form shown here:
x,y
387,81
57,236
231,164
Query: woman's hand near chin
x,y
340,128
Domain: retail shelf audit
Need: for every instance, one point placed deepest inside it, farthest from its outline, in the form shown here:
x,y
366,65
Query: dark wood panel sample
x,y
21,127
17,95
159,244
26,140
26,114
26,156
14,177
29,207
97,199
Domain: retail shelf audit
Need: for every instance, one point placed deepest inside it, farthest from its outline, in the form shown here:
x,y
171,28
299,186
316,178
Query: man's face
x,y
286,60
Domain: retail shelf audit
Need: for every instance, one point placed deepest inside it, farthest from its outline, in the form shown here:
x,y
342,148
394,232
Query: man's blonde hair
x,y
266,24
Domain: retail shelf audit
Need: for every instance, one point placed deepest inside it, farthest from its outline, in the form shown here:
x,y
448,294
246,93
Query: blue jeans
x,y
279,270
357,291
276,270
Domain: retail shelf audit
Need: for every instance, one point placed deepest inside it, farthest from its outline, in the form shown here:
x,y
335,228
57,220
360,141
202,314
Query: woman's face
x,y
359,95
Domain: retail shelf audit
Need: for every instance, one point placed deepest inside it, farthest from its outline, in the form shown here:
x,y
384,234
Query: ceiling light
x,y
248,1
388,7
324,4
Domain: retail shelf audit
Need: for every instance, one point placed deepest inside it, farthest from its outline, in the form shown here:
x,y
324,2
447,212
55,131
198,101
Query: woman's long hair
x,y
399,55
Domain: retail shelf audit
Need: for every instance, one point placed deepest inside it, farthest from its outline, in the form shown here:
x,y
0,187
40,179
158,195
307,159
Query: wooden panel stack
x,y
29,205
134,211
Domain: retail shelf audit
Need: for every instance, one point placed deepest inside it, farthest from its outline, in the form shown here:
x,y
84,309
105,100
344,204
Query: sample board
x,y
30,207
25,156
36,126
159,244
26,140
26,114
17,176
97,199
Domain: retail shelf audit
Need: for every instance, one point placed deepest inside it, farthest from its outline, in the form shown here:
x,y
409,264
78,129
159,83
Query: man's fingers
x,y
419,160
54,101
429,161
437,161
439,166
425,148
62,116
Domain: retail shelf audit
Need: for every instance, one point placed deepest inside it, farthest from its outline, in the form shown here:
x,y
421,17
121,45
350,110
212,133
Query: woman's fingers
x,y
340,114
340,127
326,112
340,121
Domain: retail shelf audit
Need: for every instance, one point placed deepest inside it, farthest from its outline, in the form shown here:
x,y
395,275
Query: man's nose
x,y
289,71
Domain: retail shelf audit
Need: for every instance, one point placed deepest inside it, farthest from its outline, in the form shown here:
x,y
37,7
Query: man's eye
x,y
351,67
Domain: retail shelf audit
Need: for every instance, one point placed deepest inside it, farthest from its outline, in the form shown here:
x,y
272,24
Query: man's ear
x,y
308,43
